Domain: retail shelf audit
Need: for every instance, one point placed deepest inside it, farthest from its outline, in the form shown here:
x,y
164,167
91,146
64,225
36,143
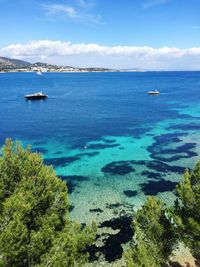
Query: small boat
x,y
36,96
154,92
39,72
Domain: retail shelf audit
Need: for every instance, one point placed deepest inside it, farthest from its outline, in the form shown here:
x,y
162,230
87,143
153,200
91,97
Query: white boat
x,y
154,92
39,72
36,96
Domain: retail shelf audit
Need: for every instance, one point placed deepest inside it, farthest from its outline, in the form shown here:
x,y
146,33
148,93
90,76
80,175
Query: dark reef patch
x,y
152,175
160,166
185,148
130,193
56,162
169,138
149,134
139,132
109,141
112,249
70,186
118,167
72,181
112,206
164,140
154,187
161,151
125,167
97,210
180,152
71,207
185,127
139,162
78,178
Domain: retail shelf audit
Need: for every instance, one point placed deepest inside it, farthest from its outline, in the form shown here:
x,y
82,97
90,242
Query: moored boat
x,y
39,72
154,92
36,96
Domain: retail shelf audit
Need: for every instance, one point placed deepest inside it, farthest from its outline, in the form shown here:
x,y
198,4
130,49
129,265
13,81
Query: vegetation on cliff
x,y
187,209
158,229
155,236
35,229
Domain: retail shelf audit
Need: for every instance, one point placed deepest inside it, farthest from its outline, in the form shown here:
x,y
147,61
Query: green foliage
x,y
142,252
157,229
154,236
187,209
35,229
67,247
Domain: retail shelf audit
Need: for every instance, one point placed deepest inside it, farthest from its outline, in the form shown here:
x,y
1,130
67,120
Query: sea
x,y
111,142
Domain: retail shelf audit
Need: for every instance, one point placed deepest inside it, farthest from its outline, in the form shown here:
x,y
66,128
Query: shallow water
x,y
112,142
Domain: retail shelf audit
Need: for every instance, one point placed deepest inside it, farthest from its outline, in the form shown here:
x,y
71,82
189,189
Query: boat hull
x,y
153,93
36,97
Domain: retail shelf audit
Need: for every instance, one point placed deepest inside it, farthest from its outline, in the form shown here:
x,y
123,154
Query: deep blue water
x,y
110,140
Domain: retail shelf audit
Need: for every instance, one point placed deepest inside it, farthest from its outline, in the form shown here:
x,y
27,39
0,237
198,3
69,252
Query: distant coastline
x,y
8,65
66,71
15,65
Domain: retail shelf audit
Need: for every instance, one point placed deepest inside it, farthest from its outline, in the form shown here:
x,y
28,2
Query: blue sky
x,y
35,29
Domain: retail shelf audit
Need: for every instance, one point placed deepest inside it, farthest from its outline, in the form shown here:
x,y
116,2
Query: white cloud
x,y
154,3
81,12
55,8
146,57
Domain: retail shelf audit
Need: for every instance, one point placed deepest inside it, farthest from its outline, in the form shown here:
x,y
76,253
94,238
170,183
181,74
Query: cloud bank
x,y
81,54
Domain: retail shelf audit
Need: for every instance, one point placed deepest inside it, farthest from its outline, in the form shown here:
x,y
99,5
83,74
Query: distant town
x,y
15,65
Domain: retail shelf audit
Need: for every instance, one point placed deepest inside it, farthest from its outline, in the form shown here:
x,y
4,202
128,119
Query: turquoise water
x,y
105,136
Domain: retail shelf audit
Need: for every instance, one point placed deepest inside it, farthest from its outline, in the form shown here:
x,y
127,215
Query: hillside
x,y
8,62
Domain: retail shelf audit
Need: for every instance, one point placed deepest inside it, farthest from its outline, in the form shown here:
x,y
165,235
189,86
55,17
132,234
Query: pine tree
x,y
35,229
187,209
154,235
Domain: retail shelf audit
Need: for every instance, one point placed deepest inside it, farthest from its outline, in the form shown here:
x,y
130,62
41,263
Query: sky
x,y
144,34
